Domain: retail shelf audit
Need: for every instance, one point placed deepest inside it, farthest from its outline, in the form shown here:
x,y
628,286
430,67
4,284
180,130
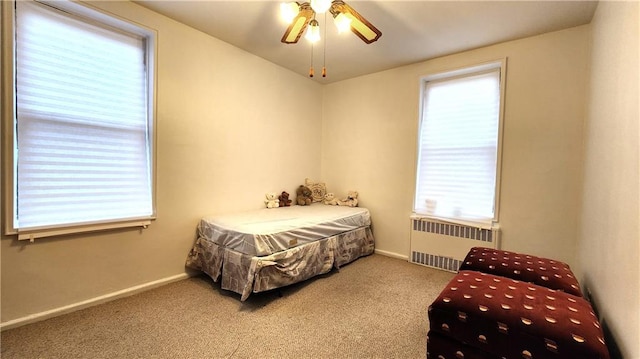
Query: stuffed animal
x,y
284,199
318,190
303,196
351,200
330,199
272,201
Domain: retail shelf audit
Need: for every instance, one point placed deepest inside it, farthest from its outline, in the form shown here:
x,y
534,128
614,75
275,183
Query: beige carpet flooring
x,y
375,307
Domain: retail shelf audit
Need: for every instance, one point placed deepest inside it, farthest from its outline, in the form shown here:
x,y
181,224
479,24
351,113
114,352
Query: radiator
x,y
444,245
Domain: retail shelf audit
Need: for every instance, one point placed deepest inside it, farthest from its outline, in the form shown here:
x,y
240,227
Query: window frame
x,y
90,14
461,72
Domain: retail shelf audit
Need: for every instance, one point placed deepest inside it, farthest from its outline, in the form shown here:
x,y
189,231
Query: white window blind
x,y
82,121
458,148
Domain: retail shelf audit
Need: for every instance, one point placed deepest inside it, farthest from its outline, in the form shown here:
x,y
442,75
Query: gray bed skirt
x,y
245,274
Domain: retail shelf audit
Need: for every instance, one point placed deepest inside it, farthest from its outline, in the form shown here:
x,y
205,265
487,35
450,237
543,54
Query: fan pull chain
x,y
324,50
311,67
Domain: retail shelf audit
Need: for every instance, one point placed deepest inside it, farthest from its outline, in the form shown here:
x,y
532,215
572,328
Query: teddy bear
x,y
303,196
284,199
330,199
351,200
272,201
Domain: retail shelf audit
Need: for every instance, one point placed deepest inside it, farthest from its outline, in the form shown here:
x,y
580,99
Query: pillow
x,y
318,189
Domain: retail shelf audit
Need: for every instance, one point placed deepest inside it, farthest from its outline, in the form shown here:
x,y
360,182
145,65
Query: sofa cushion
x,y
541,271
514,319
442,347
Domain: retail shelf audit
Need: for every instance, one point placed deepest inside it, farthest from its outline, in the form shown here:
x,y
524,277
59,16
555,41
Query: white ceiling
x,y
412,31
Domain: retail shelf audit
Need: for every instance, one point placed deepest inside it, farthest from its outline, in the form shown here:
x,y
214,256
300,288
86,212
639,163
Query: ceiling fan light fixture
x,y
302,19
313,31
320,6
364,31
342,22
298,25
289,11
359,25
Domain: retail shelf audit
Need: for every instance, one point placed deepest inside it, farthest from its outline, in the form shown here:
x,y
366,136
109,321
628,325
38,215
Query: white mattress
x,y
271,230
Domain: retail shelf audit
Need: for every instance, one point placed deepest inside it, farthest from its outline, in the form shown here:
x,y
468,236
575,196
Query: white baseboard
x,y
391,254
32,318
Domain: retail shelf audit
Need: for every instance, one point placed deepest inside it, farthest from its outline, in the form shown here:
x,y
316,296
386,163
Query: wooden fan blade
x,y
298,25
359,25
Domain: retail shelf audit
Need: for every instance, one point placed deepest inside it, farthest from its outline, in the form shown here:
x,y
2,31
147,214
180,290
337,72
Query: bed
x,y
265,249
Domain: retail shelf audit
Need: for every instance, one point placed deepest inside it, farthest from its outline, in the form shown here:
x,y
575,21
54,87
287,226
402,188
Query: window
x,y
83,121
459,145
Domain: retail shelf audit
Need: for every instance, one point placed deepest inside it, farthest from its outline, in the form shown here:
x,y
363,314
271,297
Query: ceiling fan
x,y
302,15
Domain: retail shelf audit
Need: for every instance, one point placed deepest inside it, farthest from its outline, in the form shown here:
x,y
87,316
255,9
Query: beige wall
x,y
609,236
227,134
370,145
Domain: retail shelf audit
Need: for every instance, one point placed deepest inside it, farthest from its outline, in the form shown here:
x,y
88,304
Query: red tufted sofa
x,y
509,305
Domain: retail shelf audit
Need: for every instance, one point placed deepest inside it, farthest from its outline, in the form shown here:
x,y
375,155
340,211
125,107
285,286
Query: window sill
x,y
32,234
478,223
